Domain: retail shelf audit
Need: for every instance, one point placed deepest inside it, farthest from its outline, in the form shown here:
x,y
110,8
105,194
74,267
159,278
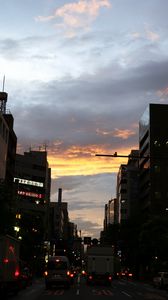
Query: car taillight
x,y
90,277
68,273
71,275
110,277
45,273
130,274
17,273
83,272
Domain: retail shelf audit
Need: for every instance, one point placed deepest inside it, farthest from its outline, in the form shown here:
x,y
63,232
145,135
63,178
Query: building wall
x,y
4,134
122,193
32,182
153,144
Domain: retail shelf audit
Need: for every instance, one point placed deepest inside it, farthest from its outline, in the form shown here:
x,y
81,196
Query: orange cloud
x,y
123,134
76,15
149,34
82,161
163,92
152,36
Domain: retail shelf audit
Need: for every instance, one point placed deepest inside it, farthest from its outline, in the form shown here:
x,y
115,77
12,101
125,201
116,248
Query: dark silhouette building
x,y
32,182
153,145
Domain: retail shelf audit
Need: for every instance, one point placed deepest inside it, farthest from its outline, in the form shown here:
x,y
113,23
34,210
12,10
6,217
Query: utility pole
x,y
119,155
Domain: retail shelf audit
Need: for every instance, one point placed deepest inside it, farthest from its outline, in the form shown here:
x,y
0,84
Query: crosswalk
x,y
95,292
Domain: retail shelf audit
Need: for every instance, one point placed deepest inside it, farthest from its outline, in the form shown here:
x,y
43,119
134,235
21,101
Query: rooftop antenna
x,y
45,146
3,98
3,84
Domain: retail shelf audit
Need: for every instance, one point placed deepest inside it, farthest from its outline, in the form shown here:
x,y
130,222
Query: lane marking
x,y
78,285
126,294
107,292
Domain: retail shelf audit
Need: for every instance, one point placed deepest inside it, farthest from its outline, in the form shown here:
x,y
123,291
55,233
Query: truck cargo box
x,y
9,264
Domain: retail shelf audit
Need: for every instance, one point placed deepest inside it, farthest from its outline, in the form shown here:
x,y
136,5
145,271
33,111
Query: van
x,y
57,272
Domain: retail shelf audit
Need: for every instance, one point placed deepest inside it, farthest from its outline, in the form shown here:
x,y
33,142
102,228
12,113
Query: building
x,y
63,234
111,213
153,145
8,142
133,184
122,193
128,187
4,134
32,182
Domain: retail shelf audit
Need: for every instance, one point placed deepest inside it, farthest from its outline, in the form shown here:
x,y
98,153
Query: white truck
x,y
9,264
101,265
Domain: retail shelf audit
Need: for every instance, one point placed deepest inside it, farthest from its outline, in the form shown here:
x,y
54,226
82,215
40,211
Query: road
x,y
119,290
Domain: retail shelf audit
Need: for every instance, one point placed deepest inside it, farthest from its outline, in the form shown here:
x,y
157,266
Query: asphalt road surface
x,y
120,289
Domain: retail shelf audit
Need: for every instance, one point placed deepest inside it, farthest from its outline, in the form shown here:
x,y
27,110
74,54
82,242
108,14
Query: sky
x,y
79,75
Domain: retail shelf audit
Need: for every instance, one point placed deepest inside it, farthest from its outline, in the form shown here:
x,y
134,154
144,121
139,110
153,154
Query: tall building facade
x,y
4,134
111,213
8,142
153,145
32,182
133,184
122,193
128,187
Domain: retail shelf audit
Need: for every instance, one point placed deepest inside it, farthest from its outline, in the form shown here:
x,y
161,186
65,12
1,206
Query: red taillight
x,y
90,277
83,272
130,274
5,260
45,273
17,273
110,277
71,275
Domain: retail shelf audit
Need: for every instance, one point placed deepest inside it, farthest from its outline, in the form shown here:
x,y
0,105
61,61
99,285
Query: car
x,y
125,274
57,272
25,277
160,280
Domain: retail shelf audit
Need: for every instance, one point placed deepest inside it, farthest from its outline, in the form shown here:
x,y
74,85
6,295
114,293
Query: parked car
x,y
161,280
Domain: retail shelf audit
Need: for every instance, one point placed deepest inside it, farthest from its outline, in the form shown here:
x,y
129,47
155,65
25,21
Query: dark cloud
x,y
91,227
74,109
79,191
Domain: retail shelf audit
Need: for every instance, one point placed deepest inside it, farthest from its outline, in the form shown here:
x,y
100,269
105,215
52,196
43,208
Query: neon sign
x,y
29,182
30,194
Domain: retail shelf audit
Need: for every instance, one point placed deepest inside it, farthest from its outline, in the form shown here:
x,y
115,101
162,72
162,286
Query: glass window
x,y
57,265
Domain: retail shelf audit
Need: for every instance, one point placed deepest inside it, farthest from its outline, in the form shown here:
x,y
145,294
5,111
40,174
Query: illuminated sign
x,y
29,182
31,194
